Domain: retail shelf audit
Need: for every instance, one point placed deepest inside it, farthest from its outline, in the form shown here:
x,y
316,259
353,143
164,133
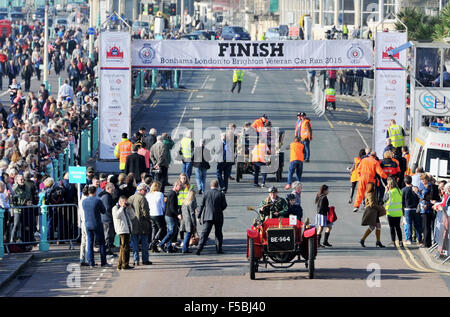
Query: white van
x,y
432,143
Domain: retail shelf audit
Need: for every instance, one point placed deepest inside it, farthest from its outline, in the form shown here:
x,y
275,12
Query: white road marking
x,y
199,96
184,111
298,80
196,108
204,83
365,143
301,88
254,85
90,287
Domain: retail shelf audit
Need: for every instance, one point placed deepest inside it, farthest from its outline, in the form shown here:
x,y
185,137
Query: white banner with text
x,y
115,91
186,54
390,90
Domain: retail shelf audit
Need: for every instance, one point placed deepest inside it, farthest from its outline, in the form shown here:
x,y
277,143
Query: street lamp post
x,y
46,45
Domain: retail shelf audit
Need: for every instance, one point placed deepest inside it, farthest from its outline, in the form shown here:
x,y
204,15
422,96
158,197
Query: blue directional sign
x,y
77,174
91,31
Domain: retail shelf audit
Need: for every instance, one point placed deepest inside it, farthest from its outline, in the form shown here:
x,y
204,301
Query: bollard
x,y
137,89
43,243
2,248
154,75
66,160
71,154
55,170
94,136
175,79
49,170
61,165
49,89
142,81
89,130
59,82
84,148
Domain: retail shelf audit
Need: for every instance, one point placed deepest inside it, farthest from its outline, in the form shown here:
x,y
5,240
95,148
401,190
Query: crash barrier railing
x,y
88,142
318,100
60,164
441,246
33,225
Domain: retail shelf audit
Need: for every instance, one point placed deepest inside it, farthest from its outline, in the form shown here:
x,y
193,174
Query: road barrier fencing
x,y
318,100
38,225
441,236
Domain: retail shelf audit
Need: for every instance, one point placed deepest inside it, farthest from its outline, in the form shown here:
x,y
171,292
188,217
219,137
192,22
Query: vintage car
x,y
280,243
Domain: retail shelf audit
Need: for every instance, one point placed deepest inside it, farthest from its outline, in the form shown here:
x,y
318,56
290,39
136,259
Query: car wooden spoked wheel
x,y
251,258
311,252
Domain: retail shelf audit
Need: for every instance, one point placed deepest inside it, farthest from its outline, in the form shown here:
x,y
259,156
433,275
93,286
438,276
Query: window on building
x,y
370,11
389,7
328,12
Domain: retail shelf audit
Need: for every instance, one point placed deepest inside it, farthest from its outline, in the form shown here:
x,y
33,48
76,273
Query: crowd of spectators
x,y
36,126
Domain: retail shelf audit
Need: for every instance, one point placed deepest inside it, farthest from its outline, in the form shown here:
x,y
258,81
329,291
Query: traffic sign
x,y
91,31
77,174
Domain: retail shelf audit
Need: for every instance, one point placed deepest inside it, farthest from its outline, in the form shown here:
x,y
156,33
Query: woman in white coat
x,y
123,215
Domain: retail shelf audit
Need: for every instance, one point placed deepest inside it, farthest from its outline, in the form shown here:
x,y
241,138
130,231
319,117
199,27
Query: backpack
x,y
55,196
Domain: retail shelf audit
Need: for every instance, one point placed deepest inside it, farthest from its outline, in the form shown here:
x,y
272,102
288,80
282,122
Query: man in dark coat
x,y
135,164
27,73
107,218
211,214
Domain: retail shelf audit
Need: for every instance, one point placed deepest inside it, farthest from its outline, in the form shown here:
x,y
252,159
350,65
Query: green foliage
x,y
442,30
421,27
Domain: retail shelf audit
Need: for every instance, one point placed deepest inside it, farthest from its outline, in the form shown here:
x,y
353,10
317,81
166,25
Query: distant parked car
x,y
190,37
138,25
235,33
206,35
16,16
273,34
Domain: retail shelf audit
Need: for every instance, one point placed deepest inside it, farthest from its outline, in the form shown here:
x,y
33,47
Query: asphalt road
x,y
346,269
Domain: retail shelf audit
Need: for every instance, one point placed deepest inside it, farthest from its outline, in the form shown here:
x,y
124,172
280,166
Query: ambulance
x,y
432,143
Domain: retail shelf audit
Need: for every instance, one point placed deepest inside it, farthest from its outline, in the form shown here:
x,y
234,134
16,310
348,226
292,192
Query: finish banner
x,y
115,91
390,87
186,54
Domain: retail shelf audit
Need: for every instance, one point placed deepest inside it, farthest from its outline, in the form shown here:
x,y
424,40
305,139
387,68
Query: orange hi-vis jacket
x,y
297,152
122,150
368,168
259,153
306,130
408,171
355,176
258,124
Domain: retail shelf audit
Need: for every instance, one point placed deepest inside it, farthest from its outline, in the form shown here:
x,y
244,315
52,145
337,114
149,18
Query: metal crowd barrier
x,y
33,225
318,100
441,236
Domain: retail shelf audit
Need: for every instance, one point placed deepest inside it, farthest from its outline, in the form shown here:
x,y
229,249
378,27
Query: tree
x,y
442,30
421,27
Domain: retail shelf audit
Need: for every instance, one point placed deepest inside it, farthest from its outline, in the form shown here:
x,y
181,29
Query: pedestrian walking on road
x,y
141,225
157,205
188,221
354,178
306,134
394,210
135,163
368,168
82,226
211,214
107,218
372,214
238,76
93,208
122,151
322,204
397,135
297,150
259,160
410,202
171,215
226,163
187,153
123,216
202,166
